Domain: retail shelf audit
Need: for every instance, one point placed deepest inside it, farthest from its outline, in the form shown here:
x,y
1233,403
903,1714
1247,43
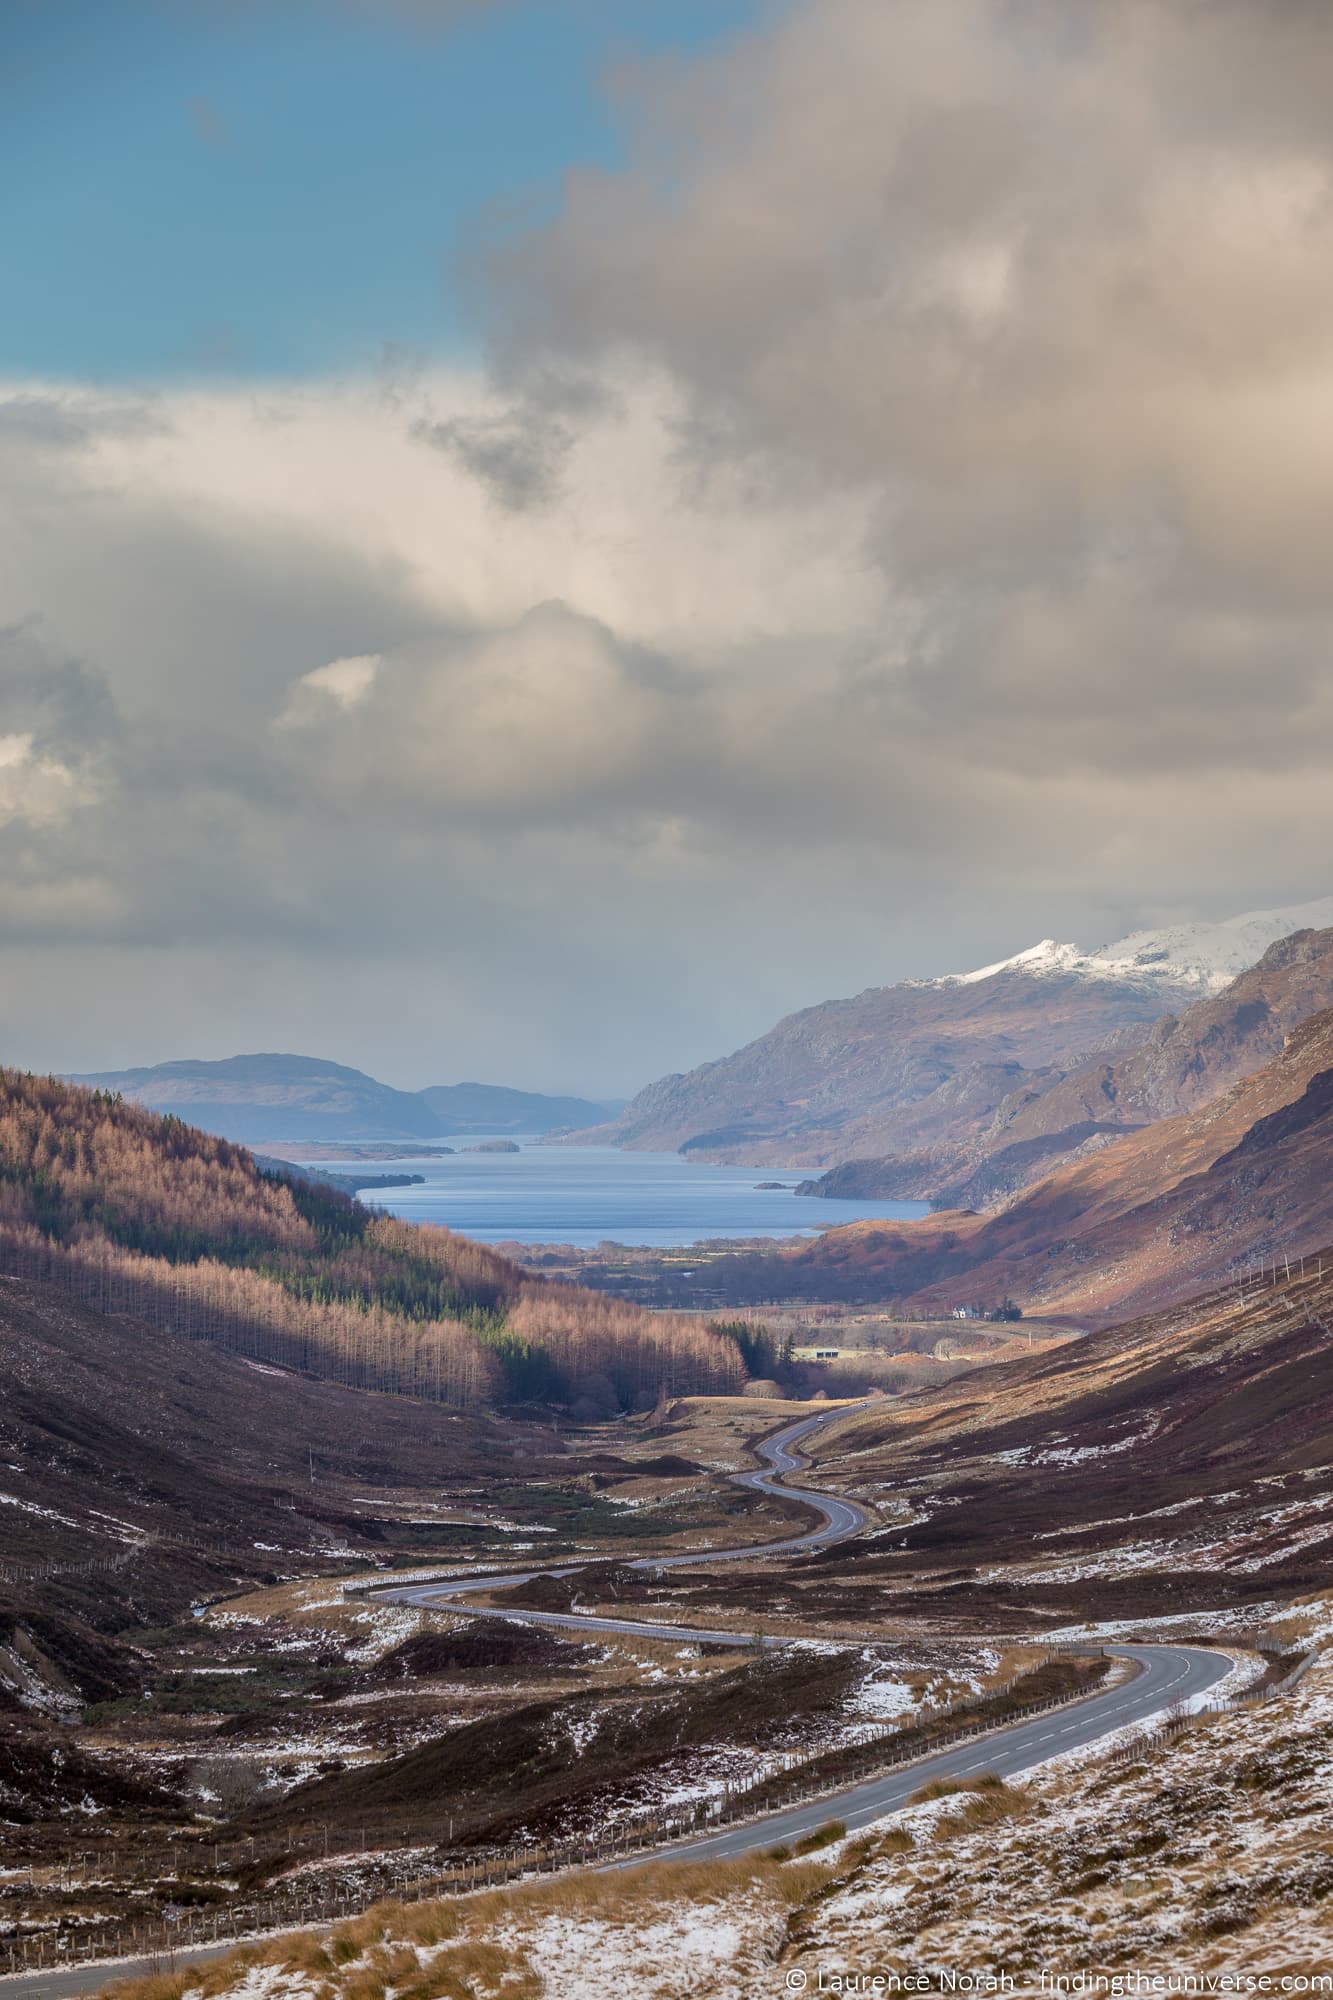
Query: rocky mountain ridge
x,y
929,1063
1183,1062
1201,957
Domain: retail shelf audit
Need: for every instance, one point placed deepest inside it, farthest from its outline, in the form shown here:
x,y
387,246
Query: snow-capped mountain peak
x,y
1190,958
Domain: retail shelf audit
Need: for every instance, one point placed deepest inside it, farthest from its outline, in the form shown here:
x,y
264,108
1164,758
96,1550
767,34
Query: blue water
x,y
593,1194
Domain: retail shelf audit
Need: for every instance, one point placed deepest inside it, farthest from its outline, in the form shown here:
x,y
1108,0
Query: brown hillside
x,y
1143,1222
140,1471
1170,1466
143,1215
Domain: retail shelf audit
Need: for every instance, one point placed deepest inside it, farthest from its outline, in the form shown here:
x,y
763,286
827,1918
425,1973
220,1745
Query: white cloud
x,y
894,531
345,683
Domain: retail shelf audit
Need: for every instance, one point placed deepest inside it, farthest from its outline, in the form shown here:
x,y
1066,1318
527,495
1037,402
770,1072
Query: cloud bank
x,y
890,528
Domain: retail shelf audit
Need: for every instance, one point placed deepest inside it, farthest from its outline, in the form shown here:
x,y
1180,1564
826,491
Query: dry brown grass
x,y
157,1986
1305,1616
982,1799
716,1430
1221,1847
382,1951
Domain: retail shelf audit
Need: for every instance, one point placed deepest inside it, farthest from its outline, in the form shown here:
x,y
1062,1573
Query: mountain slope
x,y
827,1082
142,1214
125,1443
1170,1464
260,1098
1192,958
1151,1218
929,1062
1183,1063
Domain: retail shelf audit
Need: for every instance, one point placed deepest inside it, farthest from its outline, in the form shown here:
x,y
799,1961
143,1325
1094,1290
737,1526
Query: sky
x,y
537,536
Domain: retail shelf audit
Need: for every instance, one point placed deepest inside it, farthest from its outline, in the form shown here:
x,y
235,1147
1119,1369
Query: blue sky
x,y
278,187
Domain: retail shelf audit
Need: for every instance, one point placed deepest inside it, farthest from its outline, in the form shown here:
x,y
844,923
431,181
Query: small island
x,y
493,1146
773,1187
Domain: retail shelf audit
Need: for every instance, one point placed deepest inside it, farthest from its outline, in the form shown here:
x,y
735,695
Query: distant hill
x,y
490,1107
261,1100
927,1063
258,1099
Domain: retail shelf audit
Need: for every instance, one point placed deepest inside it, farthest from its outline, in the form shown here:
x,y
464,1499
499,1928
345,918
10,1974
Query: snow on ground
x,y
1211,1854
20,1678
268,1982
1241,1618
1206,1856
367,1627
702,1951
383,1627
1252,1541
42,1513
1308,1623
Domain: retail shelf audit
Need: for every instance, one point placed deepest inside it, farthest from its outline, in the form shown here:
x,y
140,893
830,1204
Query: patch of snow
x,y
258,1982
43,1513
1241,1618
1196,958
1311,1622
880,1700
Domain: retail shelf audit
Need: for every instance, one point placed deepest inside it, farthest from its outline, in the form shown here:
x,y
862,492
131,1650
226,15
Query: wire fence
x,y
304,1898
101,1565
1177,1724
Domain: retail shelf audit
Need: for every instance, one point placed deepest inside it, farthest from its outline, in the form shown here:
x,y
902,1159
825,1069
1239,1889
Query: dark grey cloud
x,y
63,705
518,464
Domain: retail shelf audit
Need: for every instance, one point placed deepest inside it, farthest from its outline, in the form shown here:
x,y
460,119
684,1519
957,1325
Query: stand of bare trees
x,y
246,1313
144,1216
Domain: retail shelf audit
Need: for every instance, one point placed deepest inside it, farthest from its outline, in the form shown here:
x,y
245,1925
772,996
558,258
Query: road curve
x,y
1165,1676
840,1520
1168,1674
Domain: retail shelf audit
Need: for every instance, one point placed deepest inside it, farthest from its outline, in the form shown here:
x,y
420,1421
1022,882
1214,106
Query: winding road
x,y
1164,1676
840,1519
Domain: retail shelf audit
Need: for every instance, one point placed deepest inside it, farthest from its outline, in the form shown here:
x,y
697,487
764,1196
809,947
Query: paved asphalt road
x,y
1166,1675
840,1518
